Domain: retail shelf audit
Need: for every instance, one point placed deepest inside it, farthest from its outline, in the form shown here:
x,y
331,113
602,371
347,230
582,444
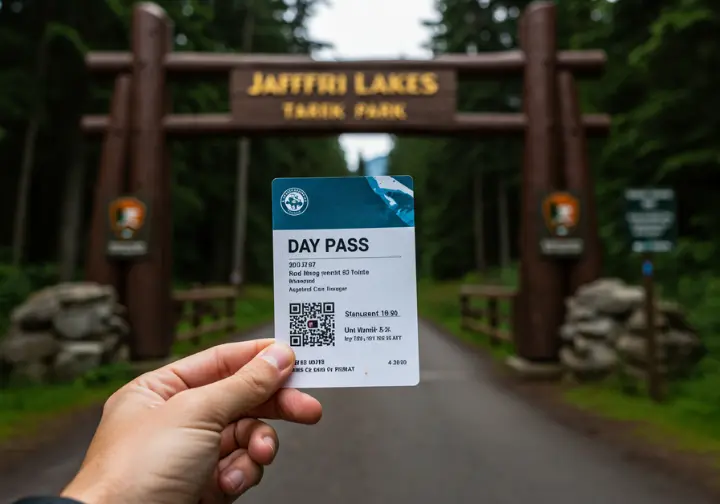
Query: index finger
x,y
203,368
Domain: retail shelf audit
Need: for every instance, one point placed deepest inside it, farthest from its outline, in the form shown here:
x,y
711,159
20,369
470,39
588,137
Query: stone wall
x,y
64,331
604,333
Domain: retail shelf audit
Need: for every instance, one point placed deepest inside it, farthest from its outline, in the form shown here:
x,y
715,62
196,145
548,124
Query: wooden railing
x,y
207,309
496,318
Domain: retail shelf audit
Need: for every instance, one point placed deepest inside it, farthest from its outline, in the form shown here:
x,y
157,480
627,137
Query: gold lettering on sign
x,y
398,84
322,111
382,111
296,84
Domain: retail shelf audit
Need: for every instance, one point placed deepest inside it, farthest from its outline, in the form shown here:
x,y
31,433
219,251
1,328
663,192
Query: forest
x,y
659,86
49,168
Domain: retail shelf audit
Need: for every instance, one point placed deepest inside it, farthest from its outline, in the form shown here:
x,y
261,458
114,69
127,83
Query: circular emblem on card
x,y
294,201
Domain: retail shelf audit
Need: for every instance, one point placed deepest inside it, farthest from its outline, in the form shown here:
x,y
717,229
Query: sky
x,y
371,29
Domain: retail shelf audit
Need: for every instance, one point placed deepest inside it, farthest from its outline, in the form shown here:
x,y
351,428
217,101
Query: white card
x,y
344,280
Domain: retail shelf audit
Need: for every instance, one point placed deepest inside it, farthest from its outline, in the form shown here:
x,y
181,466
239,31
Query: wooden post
x,y
541,278
512,318
148,281
230,305
195,321
493,320
165,233
110,183
578,178
653,371
464,309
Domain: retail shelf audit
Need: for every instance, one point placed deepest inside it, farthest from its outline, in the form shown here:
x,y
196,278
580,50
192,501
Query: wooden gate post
x,y
110,184
541,278
578,178
148,283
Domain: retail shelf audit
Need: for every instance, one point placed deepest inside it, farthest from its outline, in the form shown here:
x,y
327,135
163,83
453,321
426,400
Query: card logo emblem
x,y
294,201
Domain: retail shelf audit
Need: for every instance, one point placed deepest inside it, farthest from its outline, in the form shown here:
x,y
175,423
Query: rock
x,y
621,301
25,347
122,354
605,324
85,292
568,332
82,321
600,328
118,325
582,346
638,320
684,347
37,312
600,361
534,371
675,316
77,358
31,372
610,296
635,349
577,312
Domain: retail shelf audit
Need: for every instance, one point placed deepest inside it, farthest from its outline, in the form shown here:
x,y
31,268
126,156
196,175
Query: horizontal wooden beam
x,y
465,123
190,62
581,63
206,328
488,291
205,294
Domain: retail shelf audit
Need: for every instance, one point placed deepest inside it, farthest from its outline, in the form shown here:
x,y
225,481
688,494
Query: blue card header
x,y
343,202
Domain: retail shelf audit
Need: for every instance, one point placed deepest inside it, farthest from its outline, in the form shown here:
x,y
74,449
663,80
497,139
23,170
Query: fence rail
x,y
196,305
491,319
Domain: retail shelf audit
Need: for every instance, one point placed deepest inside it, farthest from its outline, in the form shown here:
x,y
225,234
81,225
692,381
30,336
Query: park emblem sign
x,y
561,230
304,98
651,219
128,230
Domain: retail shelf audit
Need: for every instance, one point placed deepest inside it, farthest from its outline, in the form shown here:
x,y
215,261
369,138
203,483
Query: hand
x,y
188,433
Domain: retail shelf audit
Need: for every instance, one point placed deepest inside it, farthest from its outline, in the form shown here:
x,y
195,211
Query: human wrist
x,y
88,494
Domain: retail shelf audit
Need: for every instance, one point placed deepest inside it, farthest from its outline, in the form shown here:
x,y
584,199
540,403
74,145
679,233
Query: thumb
x,y
226,400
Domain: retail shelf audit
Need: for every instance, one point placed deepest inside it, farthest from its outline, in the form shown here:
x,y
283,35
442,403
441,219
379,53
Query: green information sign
x,y
650,216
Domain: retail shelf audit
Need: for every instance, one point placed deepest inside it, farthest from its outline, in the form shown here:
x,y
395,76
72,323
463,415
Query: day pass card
x,y
345,285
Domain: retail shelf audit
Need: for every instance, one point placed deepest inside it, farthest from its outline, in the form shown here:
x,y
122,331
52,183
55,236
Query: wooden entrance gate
x,y
296,95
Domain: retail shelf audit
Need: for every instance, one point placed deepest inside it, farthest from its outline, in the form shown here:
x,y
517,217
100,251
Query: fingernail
x,y
270,442
234,478
279,355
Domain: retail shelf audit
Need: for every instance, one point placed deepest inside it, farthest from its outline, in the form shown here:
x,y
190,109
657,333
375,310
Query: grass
x,y
689,420
24,409
667,424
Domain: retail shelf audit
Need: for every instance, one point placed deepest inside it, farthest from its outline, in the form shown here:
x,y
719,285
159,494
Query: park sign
x,y
128,230
303,98
651,219
561,224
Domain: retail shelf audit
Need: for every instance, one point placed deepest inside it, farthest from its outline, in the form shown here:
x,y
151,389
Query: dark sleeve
x,y
47,500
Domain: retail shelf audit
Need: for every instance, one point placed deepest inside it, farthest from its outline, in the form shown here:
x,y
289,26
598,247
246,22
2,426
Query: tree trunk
x,y
72,212
28,159
479,223
503,223
243,166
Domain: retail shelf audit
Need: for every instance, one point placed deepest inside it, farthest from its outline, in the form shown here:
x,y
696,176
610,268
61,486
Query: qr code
x,y
312,324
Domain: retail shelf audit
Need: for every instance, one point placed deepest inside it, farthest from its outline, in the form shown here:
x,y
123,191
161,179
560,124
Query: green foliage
x,y
203,170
